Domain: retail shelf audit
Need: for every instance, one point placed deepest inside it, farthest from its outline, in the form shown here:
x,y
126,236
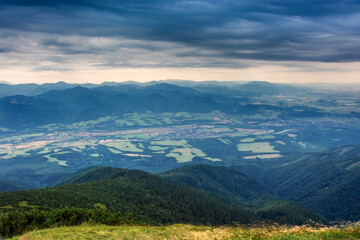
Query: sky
x,y
95,41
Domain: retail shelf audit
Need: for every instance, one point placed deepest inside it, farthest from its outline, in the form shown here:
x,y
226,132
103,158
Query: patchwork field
x,y
152,142
159,142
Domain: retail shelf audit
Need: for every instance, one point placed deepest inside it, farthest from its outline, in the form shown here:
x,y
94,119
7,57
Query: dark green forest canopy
x,y
151,199
327,182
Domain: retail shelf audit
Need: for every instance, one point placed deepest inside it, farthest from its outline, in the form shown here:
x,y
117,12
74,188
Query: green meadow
x,y
181,231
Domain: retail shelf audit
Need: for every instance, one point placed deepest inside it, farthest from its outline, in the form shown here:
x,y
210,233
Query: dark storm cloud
x,y
270,30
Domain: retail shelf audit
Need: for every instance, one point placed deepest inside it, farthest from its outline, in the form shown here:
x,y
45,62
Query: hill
x,y
228,184
150,198
224,184
235,188
81,104
223,181
7,185
20,111
32,89
327,182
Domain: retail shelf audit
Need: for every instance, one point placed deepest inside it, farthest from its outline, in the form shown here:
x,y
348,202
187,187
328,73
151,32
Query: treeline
x,y
17,222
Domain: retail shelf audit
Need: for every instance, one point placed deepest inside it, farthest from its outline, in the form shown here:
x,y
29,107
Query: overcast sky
x,y
96,41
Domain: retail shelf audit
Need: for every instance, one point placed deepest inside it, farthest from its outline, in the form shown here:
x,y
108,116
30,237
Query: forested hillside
x,y
327,182
149,198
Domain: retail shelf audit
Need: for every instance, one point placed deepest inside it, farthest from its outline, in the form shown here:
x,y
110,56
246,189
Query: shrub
x,y
16,222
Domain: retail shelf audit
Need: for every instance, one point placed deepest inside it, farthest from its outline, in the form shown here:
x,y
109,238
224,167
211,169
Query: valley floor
x,y
180,231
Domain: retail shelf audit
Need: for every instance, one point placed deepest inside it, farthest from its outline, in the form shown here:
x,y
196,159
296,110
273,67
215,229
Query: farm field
x,y
226,128
258,147
168,141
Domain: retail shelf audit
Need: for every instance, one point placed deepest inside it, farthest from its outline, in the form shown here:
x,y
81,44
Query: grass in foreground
x,y
180,231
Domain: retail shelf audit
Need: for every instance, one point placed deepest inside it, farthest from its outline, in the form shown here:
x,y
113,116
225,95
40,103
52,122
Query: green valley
x,y
160,154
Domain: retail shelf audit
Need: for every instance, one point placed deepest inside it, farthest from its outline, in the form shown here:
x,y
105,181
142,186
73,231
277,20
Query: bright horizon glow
x,y
277,74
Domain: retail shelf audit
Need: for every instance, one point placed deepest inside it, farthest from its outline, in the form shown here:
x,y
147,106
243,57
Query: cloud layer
x,y
67,34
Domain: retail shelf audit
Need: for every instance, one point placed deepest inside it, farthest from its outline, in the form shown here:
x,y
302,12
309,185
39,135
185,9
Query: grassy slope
x,y
180,231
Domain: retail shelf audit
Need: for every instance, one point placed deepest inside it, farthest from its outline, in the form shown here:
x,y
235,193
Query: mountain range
x,y
246,88
63,103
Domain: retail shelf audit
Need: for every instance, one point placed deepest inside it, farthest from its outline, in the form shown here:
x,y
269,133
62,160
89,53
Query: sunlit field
x,y
180,231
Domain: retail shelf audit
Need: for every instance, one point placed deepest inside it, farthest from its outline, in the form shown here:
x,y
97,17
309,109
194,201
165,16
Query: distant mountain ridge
x,y
247,88
68,105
